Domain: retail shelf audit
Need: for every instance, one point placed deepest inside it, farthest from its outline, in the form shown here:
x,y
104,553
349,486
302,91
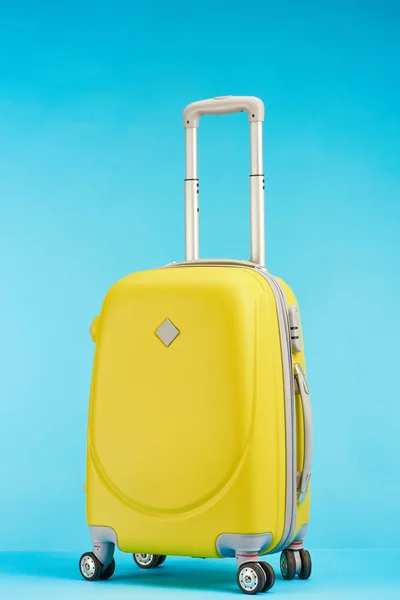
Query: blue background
x,y
91,188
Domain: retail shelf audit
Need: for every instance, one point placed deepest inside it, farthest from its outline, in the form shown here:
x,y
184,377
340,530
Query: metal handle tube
x,y
302,389
191,196
227,104
257,185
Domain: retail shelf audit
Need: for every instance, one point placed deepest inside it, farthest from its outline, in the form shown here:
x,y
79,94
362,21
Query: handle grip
x,y
223,105
302,389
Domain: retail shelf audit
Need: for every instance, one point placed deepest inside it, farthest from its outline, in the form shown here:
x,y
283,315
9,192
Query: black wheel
x,y
306,564
146,561
269,574
109,571
251,578
161,559
288,564
90,566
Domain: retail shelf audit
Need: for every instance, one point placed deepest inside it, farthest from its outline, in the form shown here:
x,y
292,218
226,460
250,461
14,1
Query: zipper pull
x,y
300,379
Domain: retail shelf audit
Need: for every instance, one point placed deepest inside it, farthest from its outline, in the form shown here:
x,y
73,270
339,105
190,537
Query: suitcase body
x,y
199,435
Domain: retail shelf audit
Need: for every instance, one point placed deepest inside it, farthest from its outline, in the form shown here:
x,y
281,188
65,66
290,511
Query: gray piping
x,y
301,534
228,544
103,534
290,414
104,552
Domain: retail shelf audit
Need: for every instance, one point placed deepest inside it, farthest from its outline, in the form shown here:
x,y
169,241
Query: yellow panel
x,y
187,442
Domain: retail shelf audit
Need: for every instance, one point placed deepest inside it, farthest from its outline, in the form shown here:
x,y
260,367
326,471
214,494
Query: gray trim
x,y
228,544
301,534
103,534
290,411
213,262
104,552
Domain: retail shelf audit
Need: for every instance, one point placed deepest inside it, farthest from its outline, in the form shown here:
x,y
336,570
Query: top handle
x,y
223,105
218,106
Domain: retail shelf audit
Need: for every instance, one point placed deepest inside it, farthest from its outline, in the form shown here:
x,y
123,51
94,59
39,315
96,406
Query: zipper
x,y
290,412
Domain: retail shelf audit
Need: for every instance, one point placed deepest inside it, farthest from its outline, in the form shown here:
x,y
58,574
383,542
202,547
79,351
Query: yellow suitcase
x,y
199,433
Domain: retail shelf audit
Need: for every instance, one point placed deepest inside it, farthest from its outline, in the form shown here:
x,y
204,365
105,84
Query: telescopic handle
x,y
218,106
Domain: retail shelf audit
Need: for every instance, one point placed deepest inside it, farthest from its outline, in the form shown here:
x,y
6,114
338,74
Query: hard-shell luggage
x,y
199,433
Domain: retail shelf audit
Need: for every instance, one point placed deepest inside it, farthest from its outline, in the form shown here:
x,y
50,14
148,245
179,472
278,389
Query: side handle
x,y
302,390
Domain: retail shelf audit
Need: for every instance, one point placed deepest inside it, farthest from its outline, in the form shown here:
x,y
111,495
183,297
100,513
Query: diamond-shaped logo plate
x,y
167,332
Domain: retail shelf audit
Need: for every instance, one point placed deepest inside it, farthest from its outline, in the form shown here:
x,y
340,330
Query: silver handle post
x,y
257,185
216,106
191,196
